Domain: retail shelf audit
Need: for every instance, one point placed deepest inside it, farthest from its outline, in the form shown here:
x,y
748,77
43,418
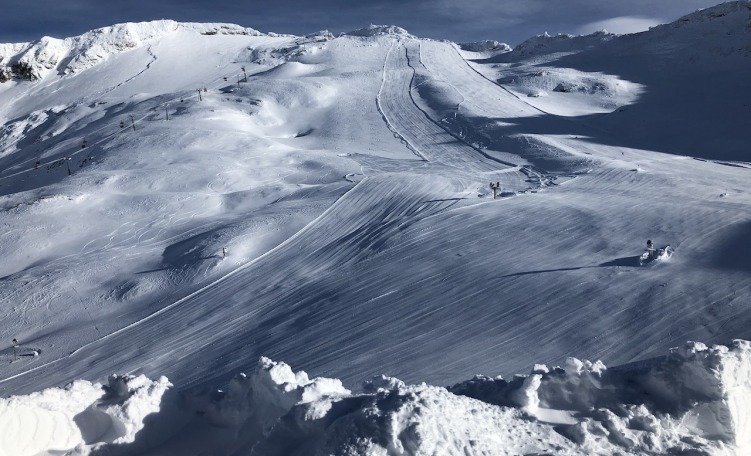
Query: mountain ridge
x,y
34,60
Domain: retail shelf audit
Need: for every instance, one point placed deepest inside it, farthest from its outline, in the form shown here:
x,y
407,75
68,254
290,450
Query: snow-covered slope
x,y
655,90
209,195
74,55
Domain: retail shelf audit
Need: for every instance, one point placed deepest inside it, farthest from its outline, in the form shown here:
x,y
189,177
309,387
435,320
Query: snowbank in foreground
x,y
696,400
80,414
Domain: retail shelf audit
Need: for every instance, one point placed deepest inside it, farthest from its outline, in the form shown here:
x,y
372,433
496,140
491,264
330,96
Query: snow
x,y
348,180
379,30
694,399
80,414
74,55
547,46
694,61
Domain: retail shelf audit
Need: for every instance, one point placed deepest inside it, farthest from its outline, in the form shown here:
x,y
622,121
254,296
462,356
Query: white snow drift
x,y
693,400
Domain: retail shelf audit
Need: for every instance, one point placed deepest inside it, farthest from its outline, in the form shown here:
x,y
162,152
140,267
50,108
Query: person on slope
x,y
650,249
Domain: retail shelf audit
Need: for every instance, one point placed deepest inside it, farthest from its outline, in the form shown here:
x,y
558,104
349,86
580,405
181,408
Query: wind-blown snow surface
x,y
694,401
348,179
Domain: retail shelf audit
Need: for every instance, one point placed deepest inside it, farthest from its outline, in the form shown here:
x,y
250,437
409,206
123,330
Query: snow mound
x,y
380,30
584,92
36,60
89,418
267,394
696,400
79,414
408,420
721,12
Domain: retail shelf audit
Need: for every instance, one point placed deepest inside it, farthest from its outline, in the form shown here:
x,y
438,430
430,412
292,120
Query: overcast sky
x,y
510,21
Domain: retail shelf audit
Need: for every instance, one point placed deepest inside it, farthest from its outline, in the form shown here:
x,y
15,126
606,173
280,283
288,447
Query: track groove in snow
x,y
340,244
423,135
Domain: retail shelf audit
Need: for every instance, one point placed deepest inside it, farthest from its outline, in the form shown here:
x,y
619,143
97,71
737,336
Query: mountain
x,y
34,61
182,200
609,82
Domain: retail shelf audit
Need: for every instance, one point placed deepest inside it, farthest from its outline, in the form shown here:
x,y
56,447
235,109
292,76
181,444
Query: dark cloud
x,y
505,20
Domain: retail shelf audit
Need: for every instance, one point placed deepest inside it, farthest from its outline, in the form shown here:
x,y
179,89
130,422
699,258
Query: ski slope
x,y
348,181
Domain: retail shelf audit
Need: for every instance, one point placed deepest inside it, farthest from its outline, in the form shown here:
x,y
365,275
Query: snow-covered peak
x,y
723,12
720,31
485,46
549,44
723,29
37,59
380,30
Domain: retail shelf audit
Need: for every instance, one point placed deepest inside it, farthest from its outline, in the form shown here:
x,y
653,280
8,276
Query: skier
x,y
224,252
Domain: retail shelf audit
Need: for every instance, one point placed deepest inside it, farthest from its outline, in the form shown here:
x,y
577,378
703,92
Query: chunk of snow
x,y
695,400
81,413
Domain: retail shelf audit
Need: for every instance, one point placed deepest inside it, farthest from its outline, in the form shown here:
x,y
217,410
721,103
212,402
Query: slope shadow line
x,y
438,124
167,268
632,261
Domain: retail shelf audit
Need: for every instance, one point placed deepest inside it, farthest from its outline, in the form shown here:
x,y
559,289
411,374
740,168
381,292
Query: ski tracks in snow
x,y
367,222
421,133
361,225
435,142
381,109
